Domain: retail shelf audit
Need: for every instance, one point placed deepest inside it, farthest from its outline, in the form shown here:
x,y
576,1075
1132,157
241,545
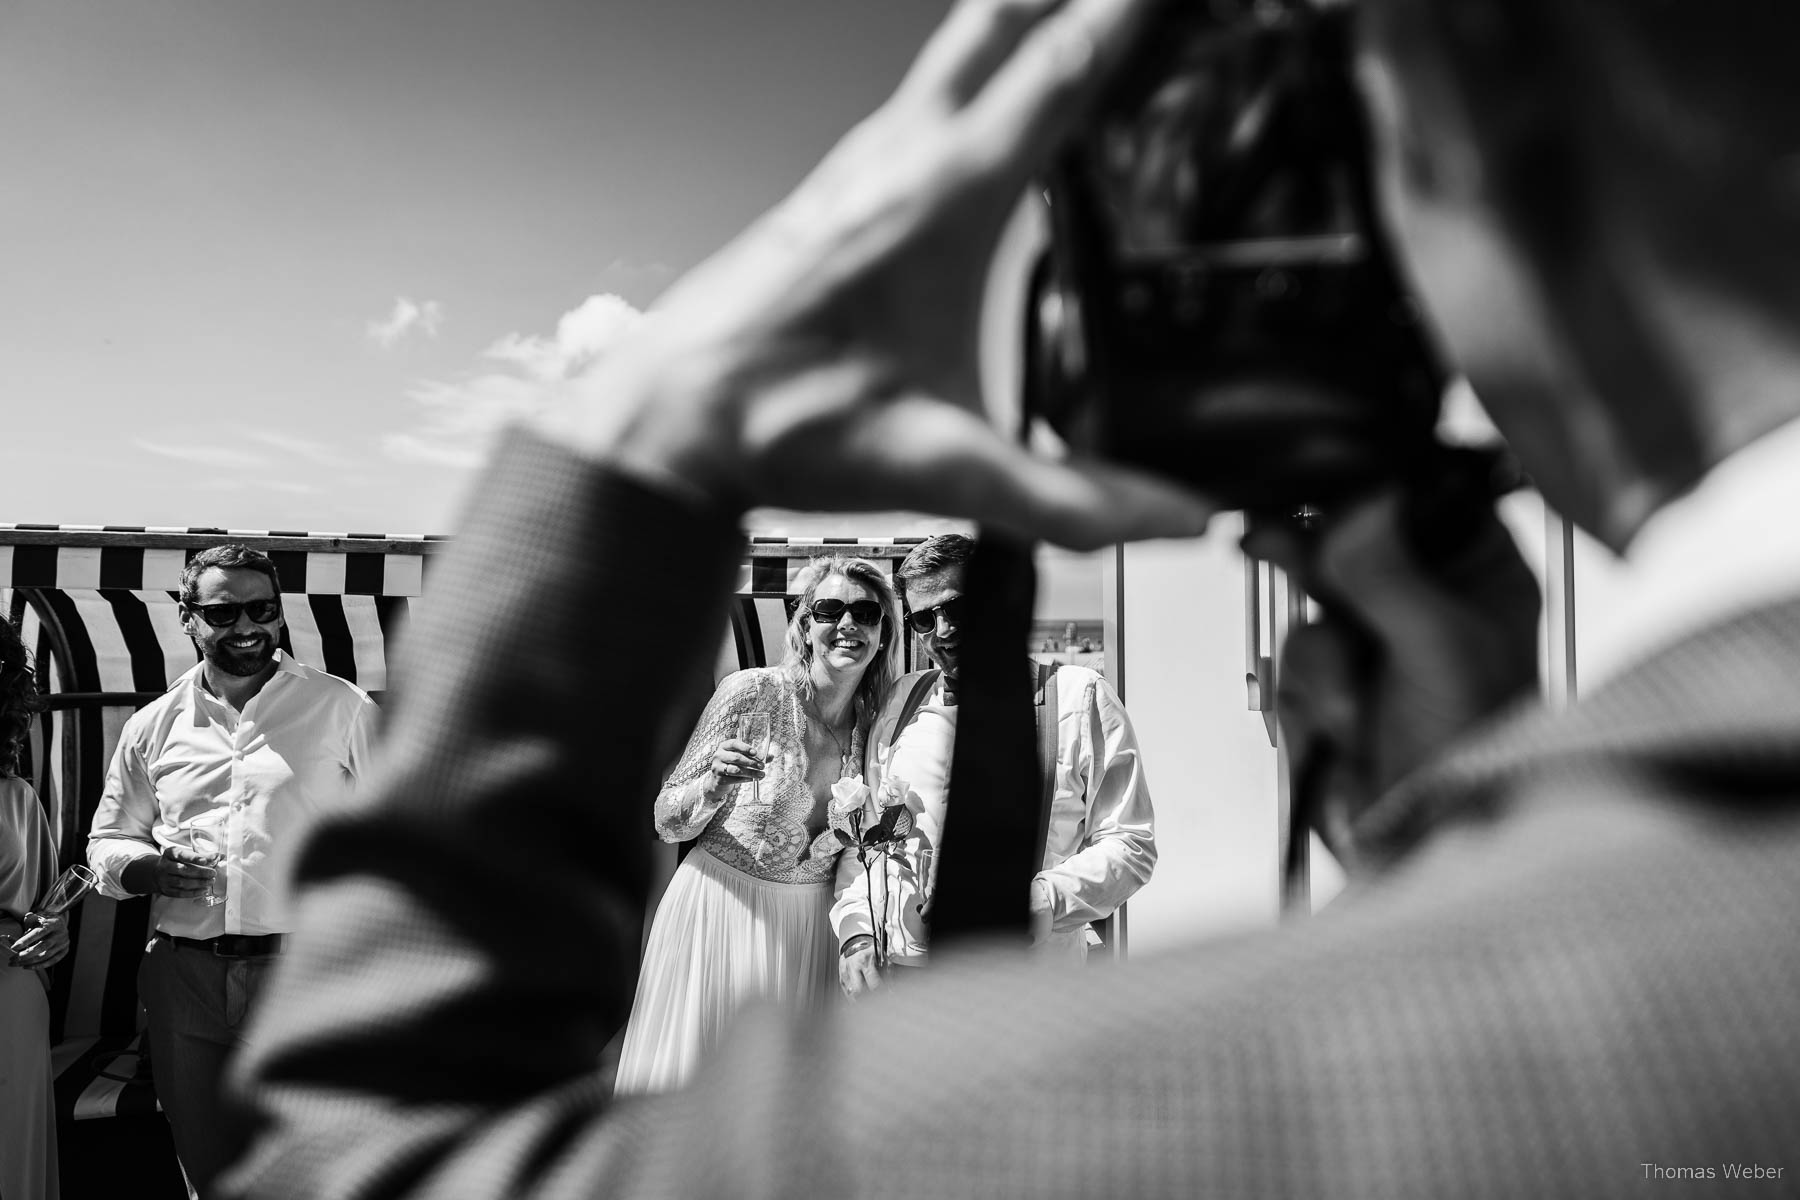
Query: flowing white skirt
x,y
721,939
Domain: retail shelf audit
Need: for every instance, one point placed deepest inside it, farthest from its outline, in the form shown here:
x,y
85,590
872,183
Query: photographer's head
x,y
930,582
1600,204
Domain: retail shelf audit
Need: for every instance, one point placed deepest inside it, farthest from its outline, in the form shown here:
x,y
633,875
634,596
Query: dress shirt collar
x,y
1730,545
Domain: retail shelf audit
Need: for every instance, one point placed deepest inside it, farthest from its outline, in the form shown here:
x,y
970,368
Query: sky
x,y
286,265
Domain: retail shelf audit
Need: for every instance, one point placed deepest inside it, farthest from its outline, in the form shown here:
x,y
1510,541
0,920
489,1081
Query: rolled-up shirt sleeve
x,y
849,910
124,828
1099,762
358,741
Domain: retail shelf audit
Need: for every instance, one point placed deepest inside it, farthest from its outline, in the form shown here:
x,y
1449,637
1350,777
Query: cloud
x,y
582,337
240,484
201,454
537,374
294,446
407,317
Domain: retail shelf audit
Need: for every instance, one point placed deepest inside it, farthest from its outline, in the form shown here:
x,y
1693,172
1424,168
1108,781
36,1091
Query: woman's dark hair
x,y
19,698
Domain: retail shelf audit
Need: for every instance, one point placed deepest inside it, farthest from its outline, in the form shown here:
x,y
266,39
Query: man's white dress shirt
x,y
263,775
1101,846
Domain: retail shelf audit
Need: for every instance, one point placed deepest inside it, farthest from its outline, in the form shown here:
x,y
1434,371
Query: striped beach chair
x,y
96,606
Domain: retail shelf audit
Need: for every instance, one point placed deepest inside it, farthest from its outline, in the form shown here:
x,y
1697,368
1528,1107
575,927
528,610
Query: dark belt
x,y
230,945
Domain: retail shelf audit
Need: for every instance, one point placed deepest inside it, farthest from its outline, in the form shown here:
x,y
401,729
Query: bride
x,y
745,915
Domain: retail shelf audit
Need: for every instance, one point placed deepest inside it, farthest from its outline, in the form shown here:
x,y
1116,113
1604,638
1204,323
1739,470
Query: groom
x,y
1100,847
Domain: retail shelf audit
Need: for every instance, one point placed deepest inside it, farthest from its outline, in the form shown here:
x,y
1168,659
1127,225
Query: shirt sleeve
x,y
849,907
1098,749
358,740
124,825
683,808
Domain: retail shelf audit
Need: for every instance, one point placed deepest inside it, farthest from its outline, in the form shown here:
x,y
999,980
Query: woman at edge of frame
x,y
27,868
746,914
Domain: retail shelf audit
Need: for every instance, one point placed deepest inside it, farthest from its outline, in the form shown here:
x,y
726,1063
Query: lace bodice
x,y
770,840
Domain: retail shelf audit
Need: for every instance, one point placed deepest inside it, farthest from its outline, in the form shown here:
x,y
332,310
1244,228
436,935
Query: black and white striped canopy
x,y
96,606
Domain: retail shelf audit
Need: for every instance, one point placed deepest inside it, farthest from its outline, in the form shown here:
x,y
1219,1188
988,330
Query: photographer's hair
x,y
231,557
19,698
934,554
1686,107
885,669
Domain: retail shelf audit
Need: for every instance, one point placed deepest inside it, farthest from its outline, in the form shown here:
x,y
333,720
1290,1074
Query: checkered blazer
x,y
1577,974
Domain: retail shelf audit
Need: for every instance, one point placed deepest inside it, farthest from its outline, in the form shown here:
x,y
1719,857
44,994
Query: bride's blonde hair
x,y
881,673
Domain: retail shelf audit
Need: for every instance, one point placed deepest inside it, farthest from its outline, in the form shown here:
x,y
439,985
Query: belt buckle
x,y
246,945
231,945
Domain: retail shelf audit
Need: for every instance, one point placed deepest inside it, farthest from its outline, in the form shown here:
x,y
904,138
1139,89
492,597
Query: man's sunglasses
x,y
925,620
224,616
863,612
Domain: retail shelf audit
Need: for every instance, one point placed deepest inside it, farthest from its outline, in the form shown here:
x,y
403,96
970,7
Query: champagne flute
x,y
925,881
69,887
753,729
61,896
206,842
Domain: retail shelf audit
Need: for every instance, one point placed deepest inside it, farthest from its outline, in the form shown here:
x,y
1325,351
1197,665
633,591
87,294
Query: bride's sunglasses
x,y
863,612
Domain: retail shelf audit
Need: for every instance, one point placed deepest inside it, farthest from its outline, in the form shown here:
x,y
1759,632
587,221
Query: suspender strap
x,y
921,689
1046,730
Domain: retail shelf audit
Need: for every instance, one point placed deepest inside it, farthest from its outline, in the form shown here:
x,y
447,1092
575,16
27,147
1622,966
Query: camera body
x,y
1218,302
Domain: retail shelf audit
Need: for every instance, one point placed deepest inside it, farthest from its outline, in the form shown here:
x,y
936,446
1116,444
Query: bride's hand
x,y
735,762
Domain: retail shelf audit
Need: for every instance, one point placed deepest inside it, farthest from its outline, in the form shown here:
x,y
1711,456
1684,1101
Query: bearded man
x,y
207,796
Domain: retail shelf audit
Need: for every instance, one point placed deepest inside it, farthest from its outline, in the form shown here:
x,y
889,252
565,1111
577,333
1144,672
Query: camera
x,y
1218,301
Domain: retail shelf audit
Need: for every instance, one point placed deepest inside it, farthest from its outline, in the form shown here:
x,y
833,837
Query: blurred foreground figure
x,y
1567,966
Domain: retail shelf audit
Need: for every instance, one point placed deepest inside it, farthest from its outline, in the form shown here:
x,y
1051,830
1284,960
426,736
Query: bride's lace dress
x,y
746,914
779,839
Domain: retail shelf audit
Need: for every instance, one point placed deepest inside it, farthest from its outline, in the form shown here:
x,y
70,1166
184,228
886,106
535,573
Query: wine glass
x,y
925,880
206,843
69,887
753,730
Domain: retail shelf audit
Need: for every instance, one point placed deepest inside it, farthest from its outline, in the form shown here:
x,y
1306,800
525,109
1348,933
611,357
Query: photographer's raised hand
x,y
827,358
1406,658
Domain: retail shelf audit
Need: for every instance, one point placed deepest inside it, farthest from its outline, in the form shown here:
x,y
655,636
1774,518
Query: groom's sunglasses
x,y
863,612
223,616
924,620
